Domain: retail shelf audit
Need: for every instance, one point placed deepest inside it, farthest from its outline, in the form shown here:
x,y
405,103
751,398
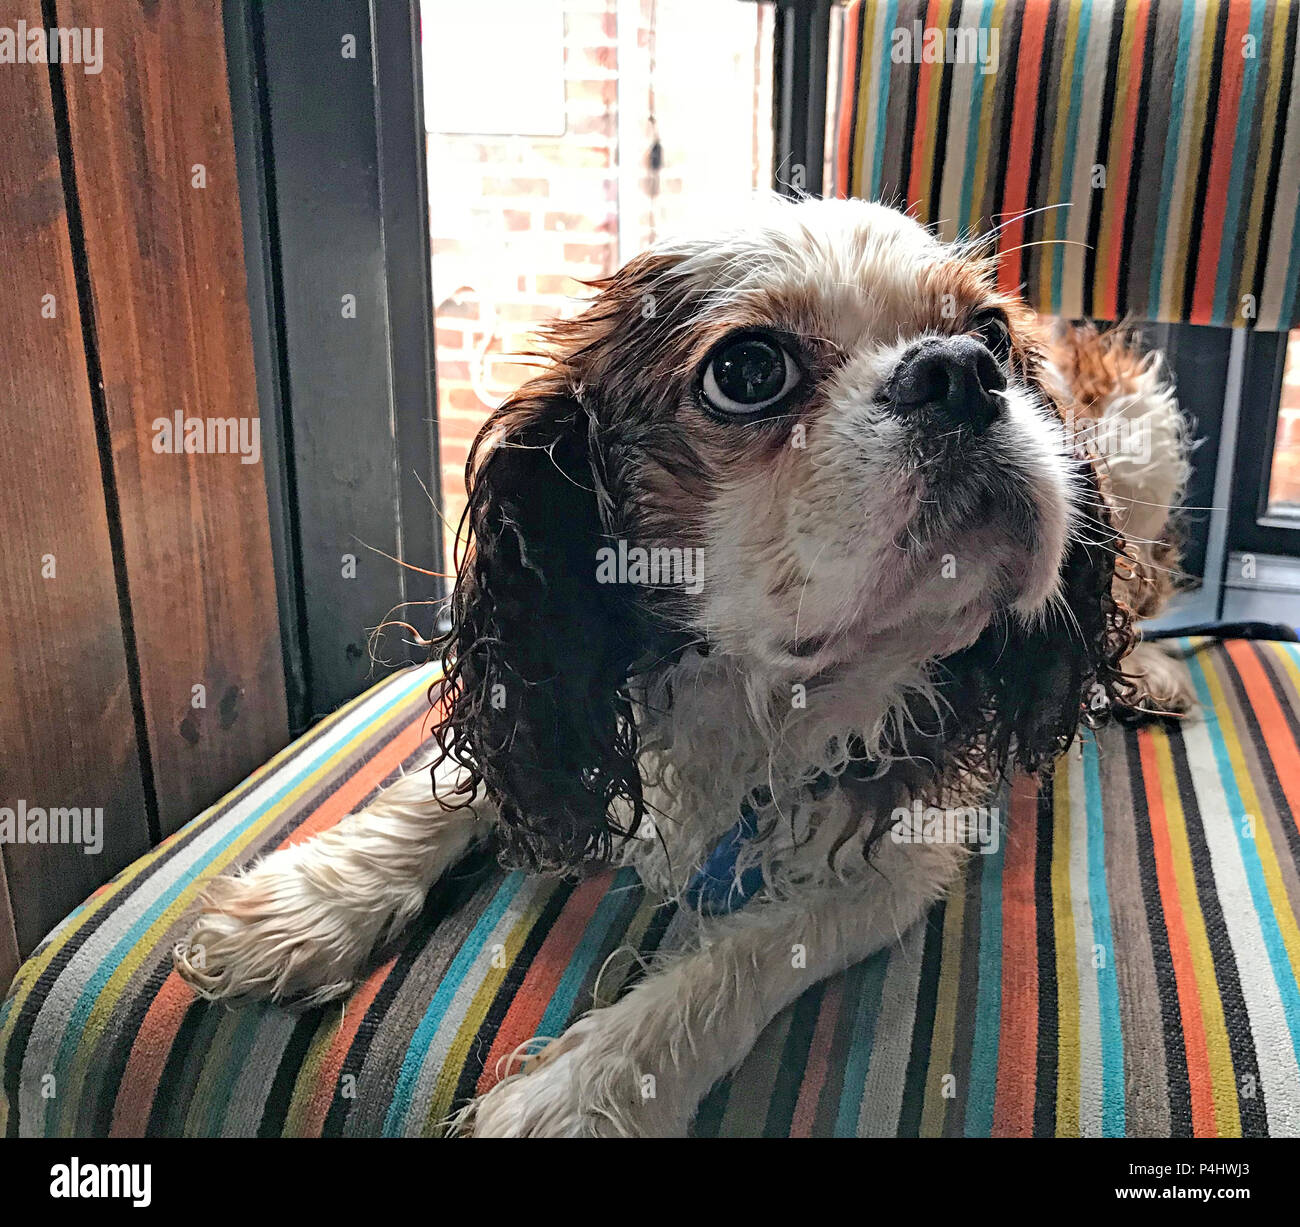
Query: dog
x,y
804,523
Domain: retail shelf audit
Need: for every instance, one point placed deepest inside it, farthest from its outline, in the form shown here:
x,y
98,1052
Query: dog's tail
x,y
1123,400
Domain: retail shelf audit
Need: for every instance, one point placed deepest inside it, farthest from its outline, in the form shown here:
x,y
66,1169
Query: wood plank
x,y
67,733
156,182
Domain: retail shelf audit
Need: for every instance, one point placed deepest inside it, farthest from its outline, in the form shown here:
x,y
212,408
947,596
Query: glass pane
x,y
543,118
1284,480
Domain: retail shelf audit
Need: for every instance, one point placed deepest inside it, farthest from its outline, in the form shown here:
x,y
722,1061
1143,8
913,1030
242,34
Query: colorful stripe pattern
x,y
1141,157
1126,963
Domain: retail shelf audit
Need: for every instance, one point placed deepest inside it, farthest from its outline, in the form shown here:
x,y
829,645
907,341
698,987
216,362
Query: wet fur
x,y
589,722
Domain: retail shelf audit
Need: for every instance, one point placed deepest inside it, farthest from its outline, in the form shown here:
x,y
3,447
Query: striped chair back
x,y
1142,157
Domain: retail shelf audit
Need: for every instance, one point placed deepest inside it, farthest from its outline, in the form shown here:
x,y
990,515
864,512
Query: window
x,y
546,177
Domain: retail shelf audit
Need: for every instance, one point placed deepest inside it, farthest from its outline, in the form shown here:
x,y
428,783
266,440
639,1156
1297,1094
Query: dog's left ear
x,y
539,653
541,656
1020,692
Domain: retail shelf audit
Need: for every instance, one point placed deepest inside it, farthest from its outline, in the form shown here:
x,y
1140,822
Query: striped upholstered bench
x,y
1126,963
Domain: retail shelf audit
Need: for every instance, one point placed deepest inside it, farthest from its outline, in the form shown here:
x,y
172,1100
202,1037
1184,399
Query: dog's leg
x,y
1163,680
641,1066
301,923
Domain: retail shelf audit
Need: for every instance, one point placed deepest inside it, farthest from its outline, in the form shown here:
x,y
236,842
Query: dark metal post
x,y
799,70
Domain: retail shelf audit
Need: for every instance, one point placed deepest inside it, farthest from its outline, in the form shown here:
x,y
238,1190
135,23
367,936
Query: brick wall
x,y
520,221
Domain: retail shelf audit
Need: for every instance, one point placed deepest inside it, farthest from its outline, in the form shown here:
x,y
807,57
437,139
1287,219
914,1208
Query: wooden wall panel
x,y
154,165
66,724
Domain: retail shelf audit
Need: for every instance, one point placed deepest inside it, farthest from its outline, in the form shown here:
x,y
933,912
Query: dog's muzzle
x,y
954,381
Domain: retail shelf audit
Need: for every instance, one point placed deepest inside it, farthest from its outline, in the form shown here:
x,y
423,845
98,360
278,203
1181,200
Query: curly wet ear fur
x,y
538,653
1019,693
1015,698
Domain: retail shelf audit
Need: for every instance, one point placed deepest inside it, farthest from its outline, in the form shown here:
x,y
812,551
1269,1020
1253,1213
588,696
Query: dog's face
x,y
816,439
868,450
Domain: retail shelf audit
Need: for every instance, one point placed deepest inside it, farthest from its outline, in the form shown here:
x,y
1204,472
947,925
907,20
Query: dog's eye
x,y
992,327
748,374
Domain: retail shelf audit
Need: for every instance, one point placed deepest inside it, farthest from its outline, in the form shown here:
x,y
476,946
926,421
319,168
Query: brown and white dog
x,y
806,521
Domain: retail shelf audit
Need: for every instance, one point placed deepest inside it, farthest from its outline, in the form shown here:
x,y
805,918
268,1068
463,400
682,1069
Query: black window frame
x,y
1252,530
333,188
393,418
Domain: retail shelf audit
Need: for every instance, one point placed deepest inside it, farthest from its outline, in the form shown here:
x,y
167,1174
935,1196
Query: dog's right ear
x,y
539,653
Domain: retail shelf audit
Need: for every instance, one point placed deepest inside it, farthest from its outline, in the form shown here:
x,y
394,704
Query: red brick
x,y
496,152
549,283
523,312
580,223
517,219
457,308
588,253
572,156
604,92
602,124
516,187
464,148
462,425
464,398
513,373
454,453
462,420
591,57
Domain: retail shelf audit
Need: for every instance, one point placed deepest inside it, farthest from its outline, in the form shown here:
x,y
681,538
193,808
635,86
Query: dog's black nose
x,y
956,377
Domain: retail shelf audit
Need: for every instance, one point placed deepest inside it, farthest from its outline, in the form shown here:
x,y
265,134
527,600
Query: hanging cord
x,y
655,156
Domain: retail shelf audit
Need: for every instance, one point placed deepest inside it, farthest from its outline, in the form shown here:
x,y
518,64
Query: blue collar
x,y
720,887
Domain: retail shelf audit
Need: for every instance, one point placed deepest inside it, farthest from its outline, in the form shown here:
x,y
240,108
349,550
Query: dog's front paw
x,y
588,1083
1162,682
270,934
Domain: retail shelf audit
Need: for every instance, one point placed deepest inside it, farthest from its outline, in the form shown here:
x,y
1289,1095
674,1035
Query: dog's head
x,y
804,444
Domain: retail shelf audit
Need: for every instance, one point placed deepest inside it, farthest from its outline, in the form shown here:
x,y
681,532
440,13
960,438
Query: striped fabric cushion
x,y
1143,156
1125,963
